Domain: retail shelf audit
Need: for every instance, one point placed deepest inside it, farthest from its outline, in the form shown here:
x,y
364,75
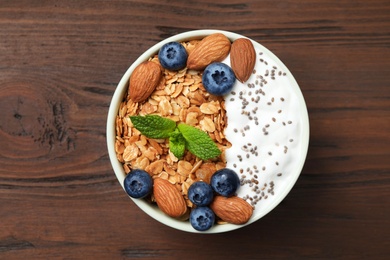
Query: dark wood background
x,y
60,62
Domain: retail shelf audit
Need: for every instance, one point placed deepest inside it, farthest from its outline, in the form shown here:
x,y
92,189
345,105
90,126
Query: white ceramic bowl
x,y
283,183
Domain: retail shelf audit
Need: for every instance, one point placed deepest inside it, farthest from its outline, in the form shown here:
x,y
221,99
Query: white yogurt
x,y
264,128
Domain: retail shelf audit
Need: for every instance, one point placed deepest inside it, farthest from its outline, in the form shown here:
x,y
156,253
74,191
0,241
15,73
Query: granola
x,y
181,97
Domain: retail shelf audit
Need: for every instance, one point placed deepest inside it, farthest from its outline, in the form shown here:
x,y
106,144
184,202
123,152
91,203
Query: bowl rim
x,y
121,88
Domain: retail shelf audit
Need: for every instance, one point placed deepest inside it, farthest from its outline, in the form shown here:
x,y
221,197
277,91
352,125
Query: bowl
x,y
282,127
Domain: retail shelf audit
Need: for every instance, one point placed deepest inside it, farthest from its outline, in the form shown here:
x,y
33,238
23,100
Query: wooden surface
x,y
60,62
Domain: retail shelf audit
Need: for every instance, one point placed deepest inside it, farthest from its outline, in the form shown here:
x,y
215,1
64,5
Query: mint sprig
x,y
181,136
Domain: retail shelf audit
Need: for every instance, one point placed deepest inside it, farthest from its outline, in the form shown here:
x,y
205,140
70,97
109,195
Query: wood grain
x,y
60,62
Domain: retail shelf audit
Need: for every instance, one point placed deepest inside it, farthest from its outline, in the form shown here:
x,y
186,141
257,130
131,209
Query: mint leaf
x,y
177,144
154,126
198,142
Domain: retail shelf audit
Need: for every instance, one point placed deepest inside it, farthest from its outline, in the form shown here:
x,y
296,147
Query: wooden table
x,y
60,62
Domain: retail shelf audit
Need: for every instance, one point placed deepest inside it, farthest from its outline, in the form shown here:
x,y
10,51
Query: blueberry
x,y
202,218
200,193
225,182
173,56
138,184
218,78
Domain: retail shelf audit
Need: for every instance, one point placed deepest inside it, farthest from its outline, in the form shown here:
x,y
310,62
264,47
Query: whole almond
x,y
168,198
212,48
242,58
144,80
233,210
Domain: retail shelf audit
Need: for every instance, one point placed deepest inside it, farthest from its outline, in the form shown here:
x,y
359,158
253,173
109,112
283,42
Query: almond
x,y
212,48
143,81
242,58
168,198
233,210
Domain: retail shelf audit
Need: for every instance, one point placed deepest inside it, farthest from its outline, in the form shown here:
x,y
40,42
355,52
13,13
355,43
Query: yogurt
x,y
264,128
